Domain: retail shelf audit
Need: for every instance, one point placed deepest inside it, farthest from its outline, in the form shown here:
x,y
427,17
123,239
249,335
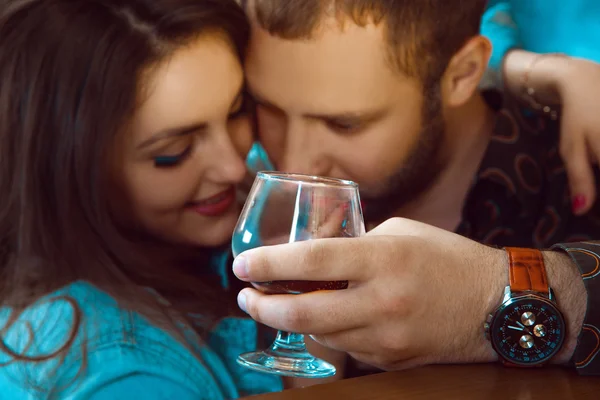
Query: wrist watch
x,y
527,329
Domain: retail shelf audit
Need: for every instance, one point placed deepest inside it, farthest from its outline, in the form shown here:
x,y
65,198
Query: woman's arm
x,y
565,87
525,71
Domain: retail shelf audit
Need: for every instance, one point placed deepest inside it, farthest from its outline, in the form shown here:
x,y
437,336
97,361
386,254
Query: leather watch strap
x,y
527,271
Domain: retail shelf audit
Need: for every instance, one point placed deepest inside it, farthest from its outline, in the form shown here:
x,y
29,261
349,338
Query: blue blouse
x,y
127,357
543,26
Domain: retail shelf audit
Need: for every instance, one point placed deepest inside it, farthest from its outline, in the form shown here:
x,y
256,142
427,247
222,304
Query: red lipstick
x,y
215,205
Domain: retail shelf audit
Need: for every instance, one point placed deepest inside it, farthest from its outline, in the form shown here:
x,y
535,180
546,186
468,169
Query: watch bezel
x,y
510,300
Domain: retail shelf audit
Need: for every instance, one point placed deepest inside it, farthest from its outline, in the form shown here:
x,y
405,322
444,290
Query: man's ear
x,y
465,71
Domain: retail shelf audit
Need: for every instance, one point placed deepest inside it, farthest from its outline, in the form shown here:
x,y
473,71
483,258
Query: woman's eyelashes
x,y
172,160
244,107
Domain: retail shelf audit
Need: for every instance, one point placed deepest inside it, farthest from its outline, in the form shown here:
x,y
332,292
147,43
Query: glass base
x,y
287,356
265,361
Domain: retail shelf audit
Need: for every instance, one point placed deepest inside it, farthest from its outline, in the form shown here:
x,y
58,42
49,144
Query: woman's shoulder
x,y
75,312
108,349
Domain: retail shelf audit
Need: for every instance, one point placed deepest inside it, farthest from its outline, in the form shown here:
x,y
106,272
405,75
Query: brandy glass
x,y
285,208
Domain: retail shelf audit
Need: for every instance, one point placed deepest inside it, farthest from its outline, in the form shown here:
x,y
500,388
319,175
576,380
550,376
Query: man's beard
x,y
419,171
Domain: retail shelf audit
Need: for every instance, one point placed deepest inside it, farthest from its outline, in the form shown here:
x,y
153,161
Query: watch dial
x,y
528,331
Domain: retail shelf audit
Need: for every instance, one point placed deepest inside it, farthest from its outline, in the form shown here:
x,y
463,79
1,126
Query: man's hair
x,y
422,35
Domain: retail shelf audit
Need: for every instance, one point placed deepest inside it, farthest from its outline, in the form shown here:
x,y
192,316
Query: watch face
x,y
527,330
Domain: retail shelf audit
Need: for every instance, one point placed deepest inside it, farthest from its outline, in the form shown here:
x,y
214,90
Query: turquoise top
x,y
127,356
257,159
543,26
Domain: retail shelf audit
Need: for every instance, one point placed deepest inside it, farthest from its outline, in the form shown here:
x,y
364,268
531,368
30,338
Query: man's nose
x,y
303,151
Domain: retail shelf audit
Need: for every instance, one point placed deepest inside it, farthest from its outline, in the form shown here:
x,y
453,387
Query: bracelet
x,y
529,91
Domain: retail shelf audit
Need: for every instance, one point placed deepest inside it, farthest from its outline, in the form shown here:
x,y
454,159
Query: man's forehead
x,y
337,69
305,18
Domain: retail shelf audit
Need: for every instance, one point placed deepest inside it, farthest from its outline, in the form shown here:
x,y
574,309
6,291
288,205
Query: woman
x,y
526,35
122,132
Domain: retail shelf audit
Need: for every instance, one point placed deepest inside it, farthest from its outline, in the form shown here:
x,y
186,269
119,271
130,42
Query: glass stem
x,y
290,341
290,345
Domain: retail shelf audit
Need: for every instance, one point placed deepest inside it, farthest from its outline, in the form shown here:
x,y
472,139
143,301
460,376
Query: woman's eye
x,y
344,127
172,160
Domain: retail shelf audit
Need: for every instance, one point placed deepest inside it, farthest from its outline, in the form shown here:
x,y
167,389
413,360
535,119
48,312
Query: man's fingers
x,y
338,259
356,340
402,227
312,313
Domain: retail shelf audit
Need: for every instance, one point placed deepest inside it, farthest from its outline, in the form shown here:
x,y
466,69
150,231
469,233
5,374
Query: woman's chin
x,y
218,236
215,243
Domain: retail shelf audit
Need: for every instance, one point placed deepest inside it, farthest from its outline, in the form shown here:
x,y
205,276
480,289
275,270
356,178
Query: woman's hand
x,y
573,84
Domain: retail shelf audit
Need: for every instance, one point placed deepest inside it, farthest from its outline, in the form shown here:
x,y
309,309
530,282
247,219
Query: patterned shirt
x,y
520,197
587,257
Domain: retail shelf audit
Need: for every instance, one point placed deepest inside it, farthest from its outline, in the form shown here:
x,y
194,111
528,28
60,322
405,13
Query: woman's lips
x,y
215,205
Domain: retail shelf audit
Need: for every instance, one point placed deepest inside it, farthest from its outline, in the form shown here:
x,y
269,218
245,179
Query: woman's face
x,y
183,153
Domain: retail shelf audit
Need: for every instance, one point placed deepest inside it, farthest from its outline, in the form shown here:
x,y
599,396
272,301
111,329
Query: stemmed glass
x,y
285,208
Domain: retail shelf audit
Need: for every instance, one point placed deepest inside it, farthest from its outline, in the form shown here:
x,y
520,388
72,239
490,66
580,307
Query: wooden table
x,y
455,382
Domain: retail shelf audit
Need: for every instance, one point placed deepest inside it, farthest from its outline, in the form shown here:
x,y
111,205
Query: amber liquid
x,y
298,287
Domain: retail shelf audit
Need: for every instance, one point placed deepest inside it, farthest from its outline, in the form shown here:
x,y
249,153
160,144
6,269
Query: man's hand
x,y
417,294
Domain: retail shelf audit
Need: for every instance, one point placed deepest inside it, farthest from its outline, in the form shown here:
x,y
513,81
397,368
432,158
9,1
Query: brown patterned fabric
x,y
520,196
587,257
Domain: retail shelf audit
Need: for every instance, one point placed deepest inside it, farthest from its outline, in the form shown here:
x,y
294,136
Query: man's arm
x,y
417,294
569,87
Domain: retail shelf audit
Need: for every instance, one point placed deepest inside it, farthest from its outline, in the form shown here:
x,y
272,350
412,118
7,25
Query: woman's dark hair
x,y
70,76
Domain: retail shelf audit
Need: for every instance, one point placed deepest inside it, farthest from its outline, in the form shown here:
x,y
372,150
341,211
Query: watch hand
x,y
523,328
514,328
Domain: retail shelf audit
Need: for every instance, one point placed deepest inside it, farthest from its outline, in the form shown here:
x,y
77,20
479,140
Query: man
x,y
401,116
385,93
